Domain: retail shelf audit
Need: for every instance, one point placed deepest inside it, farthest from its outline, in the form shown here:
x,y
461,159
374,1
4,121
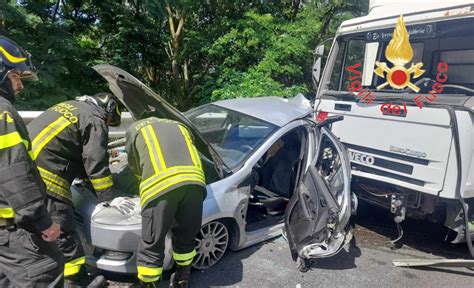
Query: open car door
x,y
318,214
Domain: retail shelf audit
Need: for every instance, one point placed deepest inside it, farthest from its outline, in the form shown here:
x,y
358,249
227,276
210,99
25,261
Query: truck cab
x,y
403,78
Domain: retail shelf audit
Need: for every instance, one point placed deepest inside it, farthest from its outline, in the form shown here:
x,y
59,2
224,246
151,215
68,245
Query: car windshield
x,y
432,43
233,135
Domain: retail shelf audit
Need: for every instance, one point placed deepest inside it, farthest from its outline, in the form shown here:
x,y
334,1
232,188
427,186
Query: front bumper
x,y
127,264
118,266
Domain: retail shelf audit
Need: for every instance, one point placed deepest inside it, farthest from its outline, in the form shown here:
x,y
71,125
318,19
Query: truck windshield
x,y
450,42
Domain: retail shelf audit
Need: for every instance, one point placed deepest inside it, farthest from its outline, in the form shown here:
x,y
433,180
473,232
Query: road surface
x,y
367,263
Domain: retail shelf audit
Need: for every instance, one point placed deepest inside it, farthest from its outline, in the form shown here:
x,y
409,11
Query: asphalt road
x,y
367,263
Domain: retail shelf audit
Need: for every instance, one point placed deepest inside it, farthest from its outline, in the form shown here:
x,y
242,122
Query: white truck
x,y
403,77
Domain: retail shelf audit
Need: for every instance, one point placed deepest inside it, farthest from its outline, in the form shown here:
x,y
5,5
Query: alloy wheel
x,y
212,241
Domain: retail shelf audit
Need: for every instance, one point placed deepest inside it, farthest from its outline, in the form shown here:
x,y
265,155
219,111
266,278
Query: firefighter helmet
x,y
13,59
112,107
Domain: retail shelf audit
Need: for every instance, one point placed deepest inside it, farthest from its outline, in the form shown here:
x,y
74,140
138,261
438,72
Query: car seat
x,y
270,201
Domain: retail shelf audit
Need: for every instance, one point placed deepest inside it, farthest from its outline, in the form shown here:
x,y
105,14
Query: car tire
x,y
211,244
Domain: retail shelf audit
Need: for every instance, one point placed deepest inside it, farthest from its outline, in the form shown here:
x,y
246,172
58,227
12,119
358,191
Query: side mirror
x,y
318,62
319,51
316,72
317,66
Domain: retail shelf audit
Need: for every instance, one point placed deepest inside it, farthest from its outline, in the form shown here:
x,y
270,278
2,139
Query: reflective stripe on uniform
x,y
191,149
28,148
160,186
144,185
74,266
164,177
7,212
48,133
58,180
11,139
25,142
149,274
184,259
14,138
102,183
58,190
55,183
154,150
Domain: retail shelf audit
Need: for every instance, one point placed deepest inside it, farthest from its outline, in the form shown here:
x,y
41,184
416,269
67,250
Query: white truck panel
x,y
381,15
371,133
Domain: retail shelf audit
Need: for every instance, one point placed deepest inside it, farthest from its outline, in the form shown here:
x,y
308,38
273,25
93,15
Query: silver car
x,y
269,169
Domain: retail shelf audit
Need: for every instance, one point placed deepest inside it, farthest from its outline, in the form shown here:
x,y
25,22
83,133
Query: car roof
x,y
272,109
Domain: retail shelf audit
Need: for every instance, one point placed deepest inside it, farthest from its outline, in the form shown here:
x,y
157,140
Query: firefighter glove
x,y
123,204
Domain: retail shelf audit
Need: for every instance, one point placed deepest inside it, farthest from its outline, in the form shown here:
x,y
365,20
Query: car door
x,y
318,214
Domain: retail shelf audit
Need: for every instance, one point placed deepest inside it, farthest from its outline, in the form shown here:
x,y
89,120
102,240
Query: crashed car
x,y
269,168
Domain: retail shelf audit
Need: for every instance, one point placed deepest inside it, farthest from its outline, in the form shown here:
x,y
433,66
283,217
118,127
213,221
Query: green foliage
x,y
265,55
191,52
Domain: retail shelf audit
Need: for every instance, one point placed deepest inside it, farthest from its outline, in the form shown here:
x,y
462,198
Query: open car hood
x,y
139,98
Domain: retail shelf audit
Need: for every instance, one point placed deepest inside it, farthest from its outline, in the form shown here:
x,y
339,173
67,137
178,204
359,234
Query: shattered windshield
x,y
367,58
233,135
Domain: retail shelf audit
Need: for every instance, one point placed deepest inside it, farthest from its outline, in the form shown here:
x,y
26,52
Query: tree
x,y
190,52
266,54
44,29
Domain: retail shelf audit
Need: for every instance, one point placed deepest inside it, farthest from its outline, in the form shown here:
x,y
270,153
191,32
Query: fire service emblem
x,y
399,52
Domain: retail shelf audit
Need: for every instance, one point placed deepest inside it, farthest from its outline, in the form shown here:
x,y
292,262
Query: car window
x,y
233,135
210,120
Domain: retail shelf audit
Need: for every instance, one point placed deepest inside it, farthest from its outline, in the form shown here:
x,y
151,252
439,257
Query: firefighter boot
x,y
180,278
149,284
82,279
98,282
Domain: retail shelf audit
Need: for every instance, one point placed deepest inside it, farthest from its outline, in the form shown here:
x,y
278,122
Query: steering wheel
x,y
245,148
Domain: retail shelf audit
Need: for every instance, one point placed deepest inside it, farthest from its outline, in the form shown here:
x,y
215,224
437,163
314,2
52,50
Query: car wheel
x,y
212,241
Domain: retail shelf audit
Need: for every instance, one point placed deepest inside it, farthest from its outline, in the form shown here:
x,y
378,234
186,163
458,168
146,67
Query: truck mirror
x,y
319,51
318,58
317,71
318,62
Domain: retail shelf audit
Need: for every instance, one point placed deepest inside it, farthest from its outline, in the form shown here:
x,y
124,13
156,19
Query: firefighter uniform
x,y
172,189
70,140
26,260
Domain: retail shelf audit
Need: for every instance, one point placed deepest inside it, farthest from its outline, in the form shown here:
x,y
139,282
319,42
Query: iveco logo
x,y
361,158
408,152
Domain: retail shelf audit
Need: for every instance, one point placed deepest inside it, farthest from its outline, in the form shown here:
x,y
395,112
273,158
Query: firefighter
x,y
172,190
29,257
70,140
